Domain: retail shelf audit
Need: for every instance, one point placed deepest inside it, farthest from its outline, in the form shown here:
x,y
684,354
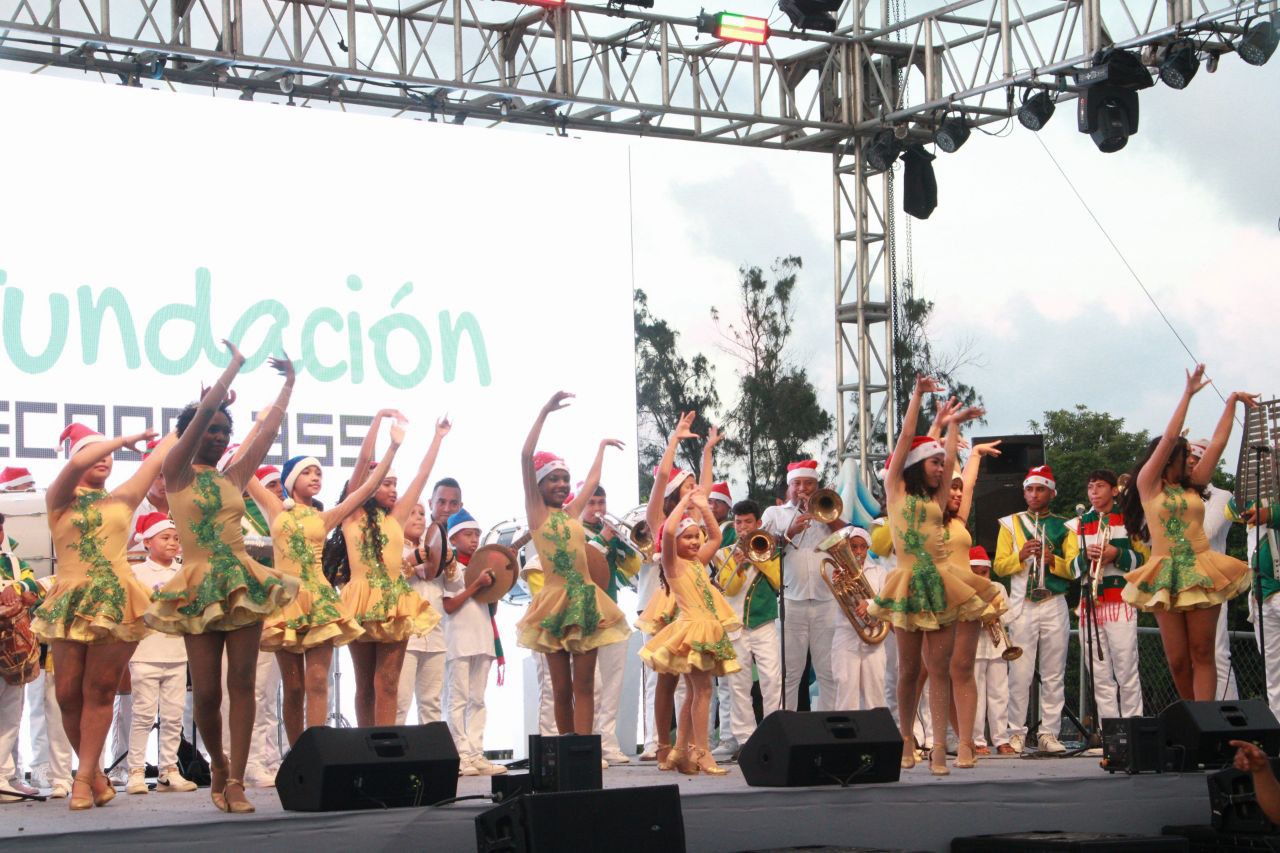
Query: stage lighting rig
x,y
1036,111
951,134
643,4
811,14
1260,41
1108,108
1180,65
882,151
730,26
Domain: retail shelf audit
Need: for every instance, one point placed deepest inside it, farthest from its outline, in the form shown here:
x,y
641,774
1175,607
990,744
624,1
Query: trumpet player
x,y
809,608
858,666
750,585
1029,551
1099,553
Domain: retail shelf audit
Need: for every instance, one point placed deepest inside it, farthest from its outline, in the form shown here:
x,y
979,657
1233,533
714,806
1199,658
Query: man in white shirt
x,y
1216,528
423,671
807,620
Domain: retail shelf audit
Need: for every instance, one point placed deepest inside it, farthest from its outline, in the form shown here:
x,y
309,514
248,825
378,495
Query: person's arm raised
x,y
62,491
714,535
952,420
534,507
670,563
408,499
134,489
1152,472
338,514
654,515
1208,463
251,453
907,433
177,465
970,474
369,446
579,503
271,505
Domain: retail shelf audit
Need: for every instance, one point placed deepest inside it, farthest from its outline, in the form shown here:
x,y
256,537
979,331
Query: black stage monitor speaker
x,y
794,748
1233,802
1197,734
999,489
369,768
621,820
1133,745
565,763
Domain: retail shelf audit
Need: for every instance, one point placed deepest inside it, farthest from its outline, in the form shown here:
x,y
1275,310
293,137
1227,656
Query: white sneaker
x,y
59,791
725,749
17,784
137,783
1049,743
119,776
466,768
616,758
260,779
1018,743
40,776
171,781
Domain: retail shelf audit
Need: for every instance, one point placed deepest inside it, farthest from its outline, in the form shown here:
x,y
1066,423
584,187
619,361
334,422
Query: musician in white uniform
x,y
859,667
991,676
1216,527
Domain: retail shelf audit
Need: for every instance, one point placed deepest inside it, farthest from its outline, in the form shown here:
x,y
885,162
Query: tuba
x,y
849,585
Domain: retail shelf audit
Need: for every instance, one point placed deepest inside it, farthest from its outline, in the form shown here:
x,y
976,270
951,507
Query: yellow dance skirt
x,y
1165,583
314,618
689,643
575,621
226,597
929,599
388,612
93,610
660,612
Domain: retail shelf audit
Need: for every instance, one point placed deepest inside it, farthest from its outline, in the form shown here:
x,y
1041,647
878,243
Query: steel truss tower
x,y
891,64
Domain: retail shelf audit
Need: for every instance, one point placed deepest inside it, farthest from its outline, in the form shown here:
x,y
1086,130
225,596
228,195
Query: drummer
x,y
471,645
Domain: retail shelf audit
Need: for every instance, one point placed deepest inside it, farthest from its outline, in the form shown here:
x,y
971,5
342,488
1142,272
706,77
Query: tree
x,y
914,355
777,412
667,384
1079,440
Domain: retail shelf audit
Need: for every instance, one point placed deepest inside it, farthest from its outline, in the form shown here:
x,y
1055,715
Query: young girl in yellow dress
x,y
926,594
378,592
92,616
1183,582
570,617
696,645
221,595
304,633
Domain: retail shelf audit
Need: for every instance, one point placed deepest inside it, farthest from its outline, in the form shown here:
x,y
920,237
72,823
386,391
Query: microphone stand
x,y
1258,451
1092,641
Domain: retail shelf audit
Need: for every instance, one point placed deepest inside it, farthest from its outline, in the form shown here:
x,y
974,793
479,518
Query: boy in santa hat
x,y
810,609
157,670
1030,551
17,480
991,675
721,502
471,646
859,667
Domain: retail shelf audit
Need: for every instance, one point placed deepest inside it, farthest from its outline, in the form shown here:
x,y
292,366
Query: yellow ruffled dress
x,y
959,542
660,612
378,596
929,589
1182,573
699,636
316,616
220,587
570,613
94,598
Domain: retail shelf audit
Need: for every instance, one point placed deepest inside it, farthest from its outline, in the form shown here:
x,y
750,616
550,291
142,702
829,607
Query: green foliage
x,y
1079,440
913,355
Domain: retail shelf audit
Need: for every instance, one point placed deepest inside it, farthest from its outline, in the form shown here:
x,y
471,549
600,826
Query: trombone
x,y
633,530
757,549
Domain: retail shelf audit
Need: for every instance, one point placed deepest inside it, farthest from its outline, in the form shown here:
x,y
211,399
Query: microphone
x,y
1080,509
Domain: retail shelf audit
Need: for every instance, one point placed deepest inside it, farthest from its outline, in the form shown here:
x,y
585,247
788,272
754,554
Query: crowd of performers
x,y
709,607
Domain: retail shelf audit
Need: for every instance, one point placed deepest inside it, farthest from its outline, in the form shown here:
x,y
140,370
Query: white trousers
x,y
422,676
859,670
759,646
1226,686
1042,631
264,744
468,677
10,724
611,662
157,687
649,685
1271,636
546,699
1117,687
121,730
808,629
920,726
992,677
50,748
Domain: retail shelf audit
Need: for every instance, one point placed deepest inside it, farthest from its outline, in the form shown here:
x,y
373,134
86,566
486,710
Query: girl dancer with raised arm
x,y
221,596
1183,582
304,633
570,617
92,616
926,594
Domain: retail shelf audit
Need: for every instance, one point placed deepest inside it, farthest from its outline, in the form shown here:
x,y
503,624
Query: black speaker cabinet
x,y
999,489
1198,734
565,763
370,768
1133,745
622,820
1233,803
794,748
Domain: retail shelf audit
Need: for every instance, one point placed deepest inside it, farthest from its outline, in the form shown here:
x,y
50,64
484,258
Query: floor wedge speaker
x,y
1198,734
369,768
621,820
794,748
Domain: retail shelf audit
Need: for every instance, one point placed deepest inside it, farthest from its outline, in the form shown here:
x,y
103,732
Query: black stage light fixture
x,y
1259,42
1179,66
1036,111
1109,114
951,134
811,14
882,151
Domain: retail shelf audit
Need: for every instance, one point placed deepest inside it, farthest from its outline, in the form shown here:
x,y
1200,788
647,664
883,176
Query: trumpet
x,y
1039,592
849,586
757,549
1000,637
634,531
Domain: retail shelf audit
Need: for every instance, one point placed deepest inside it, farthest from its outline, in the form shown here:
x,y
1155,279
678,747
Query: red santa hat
x,y
677,477
1041,475
922,448
804,468
720,492
150,448
545,462
80,437
978,556
883,471
685,523
1197,447
153,523
13,479
226,457
267,474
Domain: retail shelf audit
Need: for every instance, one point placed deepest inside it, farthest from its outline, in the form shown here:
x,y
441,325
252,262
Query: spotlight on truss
x,y
1259,42
811,14
1036,111
1179,66
951,134
1108,107
730,26
882,151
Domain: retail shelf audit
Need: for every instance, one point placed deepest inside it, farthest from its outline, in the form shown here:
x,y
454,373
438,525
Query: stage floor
x,y
920,812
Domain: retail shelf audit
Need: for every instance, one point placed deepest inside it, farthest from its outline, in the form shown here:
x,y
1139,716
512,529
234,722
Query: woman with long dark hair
x,y
1183,583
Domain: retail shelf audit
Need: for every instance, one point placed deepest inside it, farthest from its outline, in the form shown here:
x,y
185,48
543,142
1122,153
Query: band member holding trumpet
x,y
1030,552
859,665
808,615
748,572
1100,553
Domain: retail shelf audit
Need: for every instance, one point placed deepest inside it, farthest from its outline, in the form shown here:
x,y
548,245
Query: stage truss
x,y
617,69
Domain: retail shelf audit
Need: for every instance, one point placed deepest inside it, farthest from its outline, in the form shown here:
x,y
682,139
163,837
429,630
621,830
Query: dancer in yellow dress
x,y
304,633
92,616
221,596
926,594
378,592
696,645
570,617
1183,582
